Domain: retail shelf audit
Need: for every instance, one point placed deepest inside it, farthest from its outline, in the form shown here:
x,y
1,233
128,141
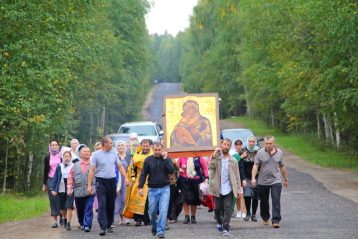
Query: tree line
x,y
292,64
69,69
167,54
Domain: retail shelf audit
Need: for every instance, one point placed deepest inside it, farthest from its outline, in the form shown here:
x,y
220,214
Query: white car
x,y
144,129
239,133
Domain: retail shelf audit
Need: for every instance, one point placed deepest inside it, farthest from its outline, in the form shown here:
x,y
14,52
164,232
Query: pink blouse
x,y
54,161
183,165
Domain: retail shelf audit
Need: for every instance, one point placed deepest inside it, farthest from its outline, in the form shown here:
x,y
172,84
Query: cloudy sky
x,y
169,15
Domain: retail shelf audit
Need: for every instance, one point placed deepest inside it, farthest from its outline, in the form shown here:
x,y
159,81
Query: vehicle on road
x,y
117,137
144,129
239,133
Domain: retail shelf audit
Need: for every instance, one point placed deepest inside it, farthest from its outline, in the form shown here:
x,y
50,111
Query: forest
x,y
293,64
69,69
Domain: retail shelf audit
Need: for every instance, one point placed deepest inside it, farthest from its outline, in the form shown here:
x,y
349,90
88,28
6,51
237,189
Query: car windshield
x,y
141,130
233,135
116,138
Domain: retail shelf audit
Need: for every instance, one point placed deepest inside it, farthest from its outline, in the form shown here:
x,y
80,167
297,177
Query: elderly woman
x,y
124,157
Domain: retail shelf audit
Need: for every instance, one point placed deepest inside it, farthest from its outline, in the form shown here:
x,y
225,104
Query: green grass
x,y
307,147
15,208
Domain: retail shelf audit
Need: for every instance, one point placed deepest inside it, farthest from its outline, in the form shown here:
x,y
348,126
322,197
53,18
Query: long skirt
x,y
54,200
120,201
189,191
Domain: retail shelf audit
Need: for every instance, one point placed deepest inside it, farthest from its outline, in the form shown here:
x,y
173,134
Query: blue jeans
x,y
158,199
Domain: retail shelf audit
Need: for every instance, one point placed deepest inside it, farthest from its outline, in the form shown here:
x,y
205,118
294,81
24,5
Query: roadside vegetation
x,y
309,147
68,69
292,64
17,207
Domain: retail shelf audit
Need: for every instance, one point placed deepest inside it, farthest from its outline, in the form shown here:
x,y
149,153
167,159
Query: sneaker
x,y
62,222
265,222
65,222
54,225
154,232
226,233
87,229
253,218
239,214
68,227
275,225
219,228
161,235
193,220
102,232
243,215
113,226
110,230
166,227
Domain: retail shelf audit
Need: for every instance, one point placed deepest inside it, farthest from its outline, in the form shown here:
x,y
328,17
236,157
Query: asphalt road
x,y
155,109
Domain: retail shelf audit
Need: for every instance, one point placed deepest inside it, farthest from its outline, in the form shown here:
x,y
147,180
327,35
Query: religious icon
x,y
191,122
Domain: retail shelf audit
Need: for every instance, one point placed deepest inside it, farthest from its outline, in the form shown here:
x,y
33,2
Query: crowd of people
x,y
143,185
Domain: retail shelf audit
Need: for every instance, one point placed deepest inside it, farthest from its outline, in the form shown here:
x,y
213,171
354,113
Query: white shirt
x,y
225,188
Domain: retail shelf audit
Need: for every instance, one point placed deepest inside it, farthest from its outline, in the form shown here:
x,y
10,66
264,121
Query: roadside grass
x,y
305,146
16,207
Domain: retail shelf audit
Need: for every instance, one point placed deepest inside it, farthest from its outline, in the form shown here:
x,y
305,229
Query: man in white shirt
x,y
224,184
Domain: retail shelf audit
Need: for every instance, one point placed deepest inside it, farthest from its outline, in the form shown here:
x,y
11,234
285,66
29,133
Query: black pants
x,y
106,196
223,209
264,193
175,206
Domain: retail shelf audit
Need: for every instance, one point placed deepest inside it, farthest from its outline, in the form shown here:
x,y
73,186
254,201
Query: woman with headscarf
x,y
124,157
246,164
50,164
193,171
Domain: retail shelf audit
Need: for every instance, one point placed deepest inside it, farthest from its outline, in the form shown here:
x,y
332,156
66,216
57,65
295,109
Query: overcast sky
x,y
169,15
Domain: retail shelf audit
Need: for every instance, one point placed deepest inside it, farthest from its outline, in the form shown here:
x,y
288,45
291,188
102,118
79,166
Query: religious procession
x,y
139,182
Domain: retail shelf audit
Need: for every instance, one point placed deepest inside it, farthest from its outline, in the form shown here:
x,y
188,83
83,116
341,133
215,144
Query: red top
x,y
183,165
